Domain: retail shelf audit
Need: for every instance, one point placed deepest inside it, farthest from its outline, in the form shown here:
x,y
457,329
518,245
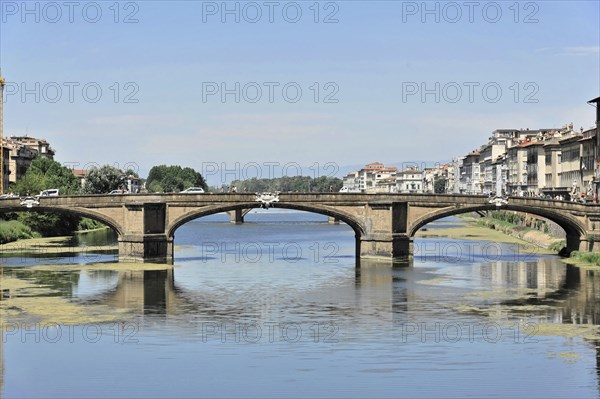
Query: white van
x,y
53,192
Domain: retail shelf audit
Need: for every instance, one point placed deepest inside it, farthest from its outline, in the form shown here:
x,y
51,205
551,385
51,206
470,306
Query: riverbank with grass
x,y
584,260
471,228
477,228
533,235
14,230
85,225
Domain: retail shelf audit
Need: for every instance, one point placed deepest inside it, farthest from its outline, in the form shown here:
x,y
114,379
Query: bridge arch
x,y
350,220
83,212
571,226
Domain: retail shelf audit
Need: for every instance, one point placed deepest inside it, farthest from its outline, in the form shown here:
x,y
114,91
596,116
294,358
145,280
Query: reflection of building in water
x,y
571,293
582,296
542,275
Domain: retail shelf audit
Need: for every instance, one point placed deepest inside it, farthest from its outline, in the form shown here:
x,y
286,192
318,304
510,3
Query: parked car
x,y
52,192
114,192
193,190
347,189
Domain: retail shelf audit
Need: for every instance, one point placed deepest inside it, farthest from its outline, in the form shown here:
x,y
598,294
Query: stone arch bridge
x,y
385,224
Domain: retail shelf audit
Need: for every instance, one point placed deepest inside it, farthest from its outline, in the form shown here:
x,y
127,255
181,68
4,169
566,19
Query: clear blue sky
x,y
373,58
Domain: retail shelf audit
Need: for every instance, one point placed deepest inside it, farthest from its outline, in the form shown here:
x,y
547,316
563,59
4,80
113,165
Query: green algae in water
x,y
114,266
57,310
25,301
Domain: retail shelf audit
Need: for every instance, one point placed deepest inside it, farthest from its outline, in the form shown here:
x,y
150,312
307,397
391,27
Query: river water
x,y
277,308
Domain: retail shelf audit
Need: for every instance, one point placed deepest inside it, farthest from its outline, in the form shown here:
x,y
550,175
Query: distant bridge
x,y
385,224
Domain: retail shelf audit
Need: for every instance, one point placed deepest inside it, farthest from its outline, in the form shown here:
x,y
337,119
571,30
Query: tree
x,y
131,172
439,187
290,184
44,173
103,180
163,178
50,224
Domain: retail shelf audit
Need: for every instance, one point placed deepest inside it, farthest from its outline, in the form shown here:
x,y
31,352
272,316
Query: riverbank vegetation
x,y
521,226
44,173
468,229
86,224
14,230
536,231
584,259
34,225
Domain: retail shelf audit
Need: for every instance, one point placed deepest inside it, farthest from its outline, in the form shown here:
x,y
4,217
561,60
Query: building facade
x,y
410,180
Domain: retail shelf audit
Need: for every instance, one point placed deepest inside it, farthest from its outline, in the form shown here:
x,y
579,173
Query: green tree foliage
x,y
50,224
439,187
163,178
301,184
44,173
131,172
90,224
103,180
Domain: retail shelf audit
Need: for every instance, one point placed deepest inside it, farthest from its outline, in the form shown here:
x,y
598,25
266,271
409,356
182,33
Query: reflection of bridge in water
x,y
390,290
374,293
384,224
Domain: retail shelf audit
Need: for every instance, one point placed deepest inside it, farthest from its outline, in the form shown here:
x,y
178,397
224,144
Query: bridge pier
x,y
586,244
575,243
236,216
146,248
392,246
387,231
146,239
